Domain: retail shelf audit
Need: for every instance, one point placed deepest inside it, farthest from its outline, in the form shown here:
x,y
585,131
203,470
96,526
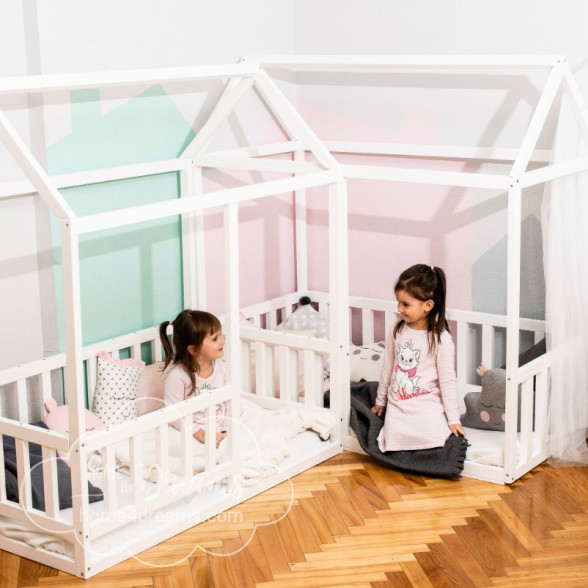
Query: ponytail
x,y
165,342
425,282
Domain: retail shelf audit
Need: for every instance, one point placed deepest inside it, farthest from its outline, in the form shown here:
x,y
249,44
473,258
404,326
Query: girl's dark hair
x,y
424,282
191,327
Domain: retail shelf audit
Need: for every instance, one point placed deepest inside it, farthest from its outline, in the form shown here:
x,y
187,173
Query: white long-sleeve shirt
x,y
418,390
178,387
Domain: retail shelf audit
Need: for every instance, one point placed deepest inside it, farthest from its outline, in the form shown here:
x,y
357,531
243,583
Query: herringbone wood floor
x,y
354,523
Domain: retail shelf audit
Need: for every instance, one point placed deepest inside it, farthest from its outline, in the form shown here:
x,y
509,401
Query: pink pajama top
x,y
418,390
178,387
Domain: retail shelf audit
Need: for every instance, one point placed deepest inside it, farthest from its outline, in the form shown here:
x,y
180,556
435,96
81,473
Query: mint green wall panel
x,y
130,276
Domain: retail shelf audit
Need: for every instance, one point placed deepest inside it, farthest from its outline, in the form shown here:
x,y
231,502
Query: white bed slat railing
x,y
50,488
22,472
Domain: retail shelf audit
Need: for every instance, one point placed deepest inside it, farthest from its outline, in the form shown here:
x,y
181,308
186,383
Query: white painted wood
x,y
137,464
256,164
186,442
232,330
437,62
74,389
26,188
291,120
109,473
527,445
50,488
263,150
367,325
339,304
576,98
538,119
33,170
73,81
300,234
424,176
433,151
233,93
512,335
161,453
23,474
158,210
553,172
488,346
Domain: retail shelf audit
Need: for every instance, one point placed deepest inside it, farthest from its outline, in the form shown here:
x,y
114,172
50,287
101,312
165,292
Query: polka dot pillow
x,y
365,361
116,389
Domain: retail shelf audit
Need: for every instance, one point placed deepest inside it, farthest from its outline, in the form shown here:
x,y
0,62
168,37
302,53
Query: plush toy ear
x,y
50,404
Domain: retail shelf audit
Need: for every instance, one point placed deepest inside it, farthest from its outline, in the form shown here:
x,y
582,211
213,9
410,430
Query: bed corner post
x,y
513,296
339,305
74,389
231,221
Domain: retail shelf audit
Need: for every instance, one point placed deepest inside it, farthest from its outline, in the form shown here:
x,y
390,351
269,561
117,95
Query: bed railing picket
x,y
462,353
312,379
23,407
488,346
210,438
288,362
527,445
2,470
541,399
23,474
367,325
137,467
109,472
186,433
50,481
161,452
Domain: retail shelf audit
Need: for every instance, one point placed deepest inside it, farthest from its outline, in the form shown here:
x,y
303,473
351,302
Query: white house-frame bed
x,y
88,538
96,545
509,455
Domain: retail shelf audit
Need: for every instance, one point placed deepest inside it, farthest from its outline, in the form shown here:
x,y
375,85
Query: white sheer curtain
x,y
565,243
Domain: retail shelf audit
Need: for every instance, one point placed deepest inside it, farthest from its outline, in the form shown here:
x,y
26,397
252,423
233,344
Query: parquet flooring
x,y
353,523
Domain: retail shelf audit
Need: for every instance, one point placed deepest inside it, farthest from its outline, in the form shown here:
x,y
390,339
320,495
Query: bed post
x,y
339,304
301,243
231,221
193,259
74,388
512,329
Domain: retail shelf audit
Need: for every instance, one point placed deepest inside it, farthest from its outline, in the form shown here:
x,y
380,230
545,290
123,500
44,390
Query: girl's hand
x,y
378,410
220,436
457,430
199,436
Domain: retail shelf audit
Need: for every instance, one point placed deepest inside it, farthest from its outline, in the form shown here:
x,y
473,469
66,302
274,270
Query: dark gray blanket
x,y
446,461
36,475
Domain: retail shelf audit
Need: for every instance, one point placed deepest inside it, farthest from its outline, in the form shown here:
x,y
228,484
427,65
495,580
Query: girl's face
x,y
414,311
212,347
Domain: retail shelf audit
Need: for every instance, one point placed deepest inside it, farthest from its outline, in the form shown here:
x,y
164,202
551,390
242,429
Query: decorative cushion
x,y
306,318
150,389
116,389
365,361
486,409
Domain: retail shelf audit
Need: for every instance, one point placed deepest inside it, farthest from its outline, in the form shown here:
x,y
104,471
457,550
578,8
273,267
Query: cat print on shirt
x,y
405,381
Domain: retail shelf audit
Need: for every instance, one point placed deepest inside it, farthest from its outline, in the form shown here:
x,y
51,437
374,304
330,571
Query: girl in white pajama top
x,y
417,387
197,365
